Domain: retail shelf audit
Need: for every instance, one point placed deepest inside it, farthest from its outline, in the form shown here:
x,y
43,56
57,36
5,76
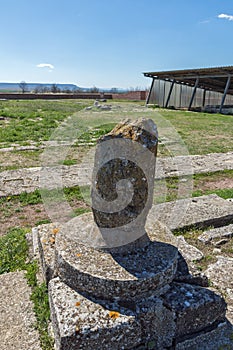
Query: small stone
x,y
221,242
216,250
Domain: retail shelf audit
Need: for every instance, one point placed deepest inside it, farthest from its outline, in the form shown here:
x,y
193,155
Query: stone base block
x,y
201,211
219,338
109,276
80,323
44,237
186,315
157,322
196,308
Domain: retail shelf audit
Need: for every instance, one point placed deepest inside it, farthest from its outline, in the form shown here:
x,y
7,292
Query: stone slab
x,y
204,211
196,164
17,319
219,338
220,274
210,236
80,323
196,308
44,237
13,182
110,276
188,251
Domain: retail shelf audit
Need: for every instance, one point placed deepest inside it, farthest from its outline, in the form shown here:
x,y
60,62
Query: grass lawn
x,y
33,122
24,120
202,132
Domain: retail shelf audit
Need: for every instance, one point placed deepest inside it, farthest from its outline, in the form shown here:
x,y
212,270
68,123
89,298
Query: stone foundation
x,y
123,303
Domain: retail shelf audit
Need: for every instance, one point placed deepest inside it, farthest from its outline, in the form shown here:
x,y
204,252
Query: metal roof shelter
x,y
218,80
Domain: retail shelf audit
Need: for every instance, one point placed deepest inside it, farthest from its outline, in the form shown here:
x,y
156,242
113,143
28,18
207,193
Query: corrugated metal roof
x,y
213,78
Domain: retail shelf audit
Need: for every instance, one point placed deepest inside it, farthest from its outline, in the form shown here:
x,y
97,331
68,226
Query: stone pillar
x,y
123,183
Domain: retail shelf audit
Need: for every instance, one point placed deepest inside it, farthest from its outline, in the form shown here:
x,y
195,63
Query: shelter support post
x,y
169,94
193,94
203,98
151,88
225,92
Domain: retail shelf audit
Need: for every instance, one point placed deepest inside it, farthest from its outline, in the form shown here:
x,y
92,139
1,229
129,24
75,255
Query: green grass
x,y
223,193
14,257
201,180
202,132
94,133
13,251
34,120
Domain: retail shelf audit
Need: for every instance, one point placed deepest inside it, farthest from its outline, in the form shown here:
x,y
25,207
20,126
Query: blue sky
x,y
110,43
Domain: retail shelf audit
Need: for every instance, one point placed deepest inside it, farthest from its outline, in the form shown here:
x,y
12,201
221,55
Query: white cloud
x,y
45,65
205,21
229,17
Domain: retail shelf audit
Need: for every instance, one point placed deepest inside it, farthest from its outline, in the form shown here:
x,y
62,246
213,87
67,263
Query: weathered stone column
x,y
123,183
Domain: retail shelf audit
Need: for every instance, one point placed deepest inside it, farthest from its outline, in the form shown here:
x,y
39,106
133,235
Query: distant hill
x,y
31,87
14,87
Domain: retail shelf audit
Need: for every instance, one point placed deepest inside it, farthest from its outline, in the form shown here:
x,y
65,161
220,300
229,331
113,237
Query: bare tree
x,y
23,86
54,89
114,90
94,89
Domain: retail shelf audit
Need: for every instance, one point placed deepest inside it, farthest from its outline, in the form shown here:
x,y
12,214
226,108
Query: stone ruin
x,y
112,284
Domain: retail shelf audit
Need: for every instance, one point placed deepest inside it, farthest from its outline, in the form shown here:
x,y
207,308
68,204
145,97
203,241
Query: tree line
x,y
54,88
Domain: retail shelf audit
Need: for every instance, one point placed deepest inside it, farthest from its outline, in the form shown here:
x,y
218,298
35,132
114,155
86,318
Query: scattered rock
x,y
230,199
216,251
224,232
218,338
189,252
221,242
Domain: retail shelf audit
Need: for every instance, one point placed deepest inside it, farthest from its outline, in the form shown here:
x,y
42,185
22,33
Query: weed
x,y
13,251
41,309
30,198
41,222
80,211
69,162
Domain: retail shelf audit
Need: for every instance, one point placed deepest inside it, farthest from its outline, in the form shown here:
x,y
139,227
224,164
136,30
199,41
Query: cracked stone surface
x,y
17,320
219,338
44,237
123,182
157,322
